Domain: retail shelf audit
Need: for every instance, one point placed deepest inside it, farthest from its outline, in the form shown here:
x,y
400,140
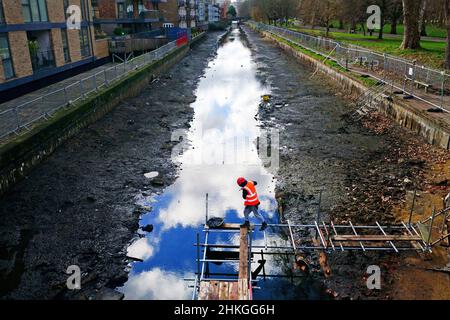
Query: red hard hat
x,y
241,181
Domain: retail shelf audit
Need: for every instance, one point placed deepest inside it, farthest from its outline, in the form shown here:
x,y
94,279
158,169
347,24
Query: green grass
x,y
432,30
431,54
368,82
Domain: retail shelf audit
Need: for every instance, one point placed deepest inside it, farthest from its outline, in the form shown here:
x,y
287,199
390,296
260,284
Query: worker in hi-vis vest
x,y
251,202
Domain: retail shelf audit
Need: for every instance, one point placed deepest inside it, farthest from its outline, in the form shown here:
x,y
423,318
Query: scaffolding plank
x,y
203,292
228,226
223,290
375,238
233,291
213,293
243,293
243,254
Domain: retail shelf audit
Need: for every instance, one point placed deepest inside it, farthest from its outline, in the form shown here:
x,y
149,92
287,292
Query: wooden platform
x,y
230,290
223,290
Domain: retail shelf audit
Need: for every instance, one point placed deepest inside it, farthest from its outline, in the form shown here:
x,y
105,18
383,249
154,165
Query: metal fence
x,y
402,75
13,120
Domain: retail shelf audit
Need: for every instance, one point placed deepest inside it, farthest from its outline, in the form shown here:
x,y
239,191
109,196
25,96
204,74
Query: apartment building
x,y
35,42
132,16
213,12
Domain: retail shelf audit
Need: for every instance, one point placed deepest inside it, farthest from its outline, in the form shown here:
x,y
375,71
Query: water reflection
x,y
227,101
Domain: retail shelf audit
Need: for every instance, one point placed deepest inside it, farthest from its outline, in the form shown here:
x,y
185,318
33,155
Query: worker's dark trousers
x,y
254,209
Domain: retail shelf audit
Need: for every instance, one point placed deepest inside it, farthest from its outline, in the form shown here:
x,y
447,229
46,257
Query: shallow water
x,y
219,147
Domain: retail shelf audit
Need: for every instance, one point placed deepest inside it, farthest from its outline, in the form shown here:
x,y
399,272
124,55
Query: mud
x,y
363,168
78,208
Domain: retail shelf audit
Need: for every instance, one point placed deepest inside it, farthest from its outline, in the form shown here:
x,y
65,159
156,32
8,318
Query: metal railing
x,y
22,116
428,85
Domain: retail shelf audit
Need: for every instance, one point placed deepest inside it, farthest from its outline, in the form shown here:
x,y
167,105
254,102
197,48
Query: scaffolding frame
x,y
405,236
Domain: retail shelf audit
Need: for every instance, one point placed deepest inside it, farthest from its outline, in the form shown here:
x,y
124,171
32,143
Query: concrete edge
x,y
436,132
19,156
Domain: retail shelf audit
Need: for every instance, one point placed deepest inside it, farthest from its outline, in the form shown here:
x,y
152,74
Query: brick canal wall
x,y
434,130
21,155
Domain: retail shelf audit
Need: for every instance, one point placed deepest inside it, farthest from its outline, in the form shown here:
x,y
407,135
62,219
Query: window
x,y
121,10
66,5
84,42
83,9
2,17
34,10
5,56
65,44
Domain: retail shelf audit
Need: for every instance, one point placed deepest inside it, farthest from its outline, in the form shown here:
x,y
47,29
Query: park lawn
x,y
431,54
432,30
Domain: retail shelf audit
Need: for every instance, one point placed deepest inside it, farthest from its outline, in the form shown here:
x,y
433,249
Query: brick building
x,y
35,42
132,16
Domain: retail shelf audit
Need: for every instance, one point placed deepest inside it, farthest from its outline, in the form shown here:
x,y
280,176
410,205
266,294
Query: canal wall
x,y
435,131
21,155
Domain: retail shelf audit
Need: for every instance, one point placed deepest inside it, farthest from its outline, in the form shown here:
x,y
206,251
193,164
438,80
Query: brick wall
x,y
18,43
55,10
57,47
73,38
101,48
12,11
170,11
107,9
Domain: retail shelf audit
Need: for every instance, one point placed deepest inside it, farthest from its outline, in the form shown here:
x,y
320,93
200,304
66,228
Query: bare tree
x,y
423,18
395,13
411,13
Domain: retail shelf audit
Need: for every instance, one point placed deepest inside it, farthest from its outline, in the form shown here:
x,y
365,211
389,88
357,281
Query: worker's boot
x,y
264,226
246,224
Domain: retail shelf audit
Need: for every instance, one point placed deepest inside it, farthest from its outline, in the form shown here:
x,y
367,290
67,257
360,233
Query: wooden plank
x,y
223,290
243,289
243,254
376,238
213,293
233,291
229,226
204,288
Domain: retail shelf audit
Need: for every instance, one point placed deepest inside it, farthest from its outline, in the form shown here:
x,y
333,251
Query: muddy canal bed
x,y
363,168
151,161
79,207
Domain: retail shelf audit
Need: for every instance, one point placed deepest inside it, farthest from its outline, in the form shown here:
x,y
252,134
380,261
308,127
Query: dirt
x,y
364,168
78,207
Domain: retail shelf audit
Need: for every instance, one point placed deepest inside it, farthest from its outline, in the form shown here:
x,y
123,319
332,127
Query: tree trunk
x,y
394,26
422,18
341,24
380,33
447,18
411,12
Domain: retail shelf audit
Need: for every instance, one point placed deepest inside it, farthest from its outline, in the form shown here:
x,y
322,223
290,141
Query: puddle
x,y
221,147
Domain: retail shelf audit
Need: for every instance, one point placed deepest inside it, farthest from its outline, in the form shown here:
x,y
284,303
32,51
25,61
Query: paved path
x,y
21,112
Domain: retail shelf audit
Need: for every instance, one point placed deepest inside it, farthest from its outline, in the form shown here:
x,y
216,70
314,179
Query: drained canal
x,y
219,147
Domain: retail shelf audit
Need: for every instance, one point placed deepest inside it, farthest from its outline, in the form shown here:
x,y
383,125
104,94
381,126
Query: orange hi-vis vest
x,y
252,196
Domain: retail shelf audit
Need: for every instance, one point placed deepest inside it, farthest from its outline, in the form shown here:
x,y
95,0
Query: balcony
x,y
144,16
41,60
